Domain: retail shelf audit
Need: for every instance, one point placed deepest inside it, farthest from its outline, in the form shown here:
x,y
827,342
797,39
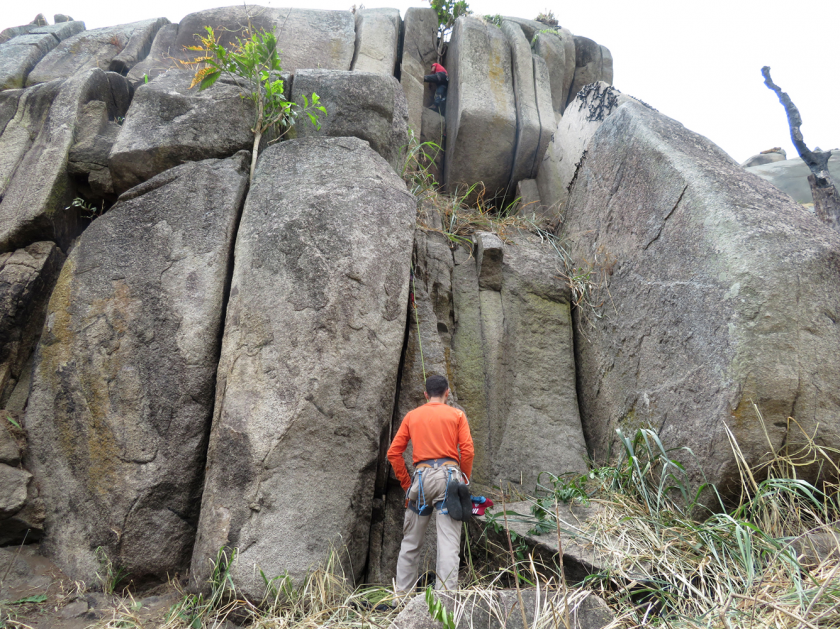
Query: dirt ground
x,y
34,593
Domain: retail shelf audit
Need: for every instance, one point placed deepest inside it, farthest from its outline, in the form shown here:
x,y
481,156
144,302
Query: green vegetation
x,y
447,12
438,611
253,64
496,20
547,17
108,575
87,210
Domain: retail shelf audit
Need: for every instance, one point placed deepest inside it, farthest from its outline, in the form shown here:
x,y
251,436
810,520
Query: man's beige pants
x,y
414,530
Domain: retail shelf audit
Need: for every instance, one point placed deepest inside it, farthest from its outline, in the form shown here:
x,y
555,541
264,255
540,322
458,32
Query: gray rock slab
x,y
88,157
13,489
19,57
27,277
590,65
420,30
497,609
169,124
583,116
550,48
308,38
122,391
527,113
545,110
365,105
61,17
791,176
377,40
764,158
9,100
433,135
318,299
524,418
36,188
529,198
722,294
481,109
15,31
115,48
10,450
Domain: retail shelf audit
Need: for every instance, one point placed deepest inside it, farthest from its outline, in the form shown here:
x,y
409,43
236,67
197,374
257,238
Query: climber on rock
x,y
440,436
441,79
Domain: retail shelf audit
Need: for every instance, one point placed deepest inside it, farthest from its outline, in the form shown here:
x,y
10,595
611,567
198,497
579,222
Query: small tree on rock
x,y
447,12
826,197
253,64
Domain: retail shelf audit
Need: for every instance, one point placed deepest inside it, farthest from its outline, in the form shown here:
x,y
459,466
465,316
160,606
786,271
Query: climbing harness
x,y
421,507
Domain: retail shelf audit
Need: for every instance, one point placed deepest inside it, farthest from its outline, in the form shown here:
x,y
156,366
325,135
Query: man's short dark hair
x,y
436,386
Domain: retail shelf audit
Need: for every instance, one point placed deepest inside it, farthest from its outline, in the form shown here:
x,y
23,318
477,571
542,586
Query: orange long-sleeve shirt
x,y
436,431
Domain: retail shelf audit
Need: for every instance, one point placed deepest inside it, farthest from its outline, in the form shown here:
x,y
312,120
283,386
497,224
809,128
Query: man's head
x,y
436,386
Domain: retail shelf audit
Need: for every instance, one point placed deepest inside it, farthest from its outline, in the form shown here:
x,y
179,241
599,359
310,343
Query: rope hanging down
x,y
417,320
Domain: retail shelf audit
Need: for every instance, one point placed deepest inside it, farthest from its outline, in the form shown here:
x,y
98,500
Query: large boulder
x,y
512,315
122,392
766,157
791,176
377,40
584,115
593,63
20,55
307,38
480,109
525,97
310,354
115,48
722,294
419,52
365,105
27,277
169,124
34,148
88,157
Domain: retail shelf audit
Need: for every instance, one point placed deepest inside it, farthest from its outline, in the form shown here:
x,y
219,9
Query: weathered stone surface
x,y
764,158
722,292
498,610
420,29
308,38
480,109
545,110
33,156
122,391
431,329
61,17
9,100
593,63
169,124
364,105
318,299
9,447
584,115
377,39
434,132
13,486
27,573
88,157
14,31
115,48
791,176
523,417
525,97
19,56
529,198
27,277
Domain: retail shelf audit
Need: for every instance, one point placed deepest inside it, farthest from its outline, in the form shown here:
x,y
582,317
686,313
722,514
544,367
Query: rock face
x,y
499,610
308,38
723,293
34,147
364,105
480,110
593,63
791,176
584,115
169,124
558,50
88,158
318,301
434,132
511,319
122,391
27,277
20,55
765,158
377,40
420,28
116,48
525,97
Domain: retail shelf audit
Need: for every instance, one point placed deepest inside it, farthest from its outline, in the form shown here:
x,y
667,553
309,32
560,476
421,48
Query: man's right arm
x,y
465,445
395,454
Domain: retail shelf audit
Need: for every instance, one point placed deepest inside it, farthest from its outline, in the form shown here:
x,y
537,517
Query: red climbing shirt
x,y
436,431
436,67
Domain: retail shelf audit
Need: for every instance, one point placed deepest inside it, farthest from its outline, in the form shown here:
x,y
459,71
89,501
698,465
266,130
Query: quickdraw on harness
x,y
421,507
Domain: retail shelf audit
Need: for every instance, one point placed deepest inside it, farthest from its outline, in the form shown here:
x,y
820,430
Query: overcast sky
x,y
698,62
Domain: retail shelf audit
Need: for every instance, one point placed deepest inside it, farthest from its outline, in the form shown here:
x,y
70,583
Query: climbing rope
x,y
417,320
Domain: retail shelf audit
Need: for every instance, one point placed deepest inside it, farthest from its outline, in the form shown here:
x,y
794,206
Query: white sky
x,y
698,62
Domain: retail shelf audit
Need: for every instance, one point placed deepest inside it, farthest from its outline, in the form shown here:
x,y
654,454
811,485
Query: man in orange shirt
x,y
440,438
